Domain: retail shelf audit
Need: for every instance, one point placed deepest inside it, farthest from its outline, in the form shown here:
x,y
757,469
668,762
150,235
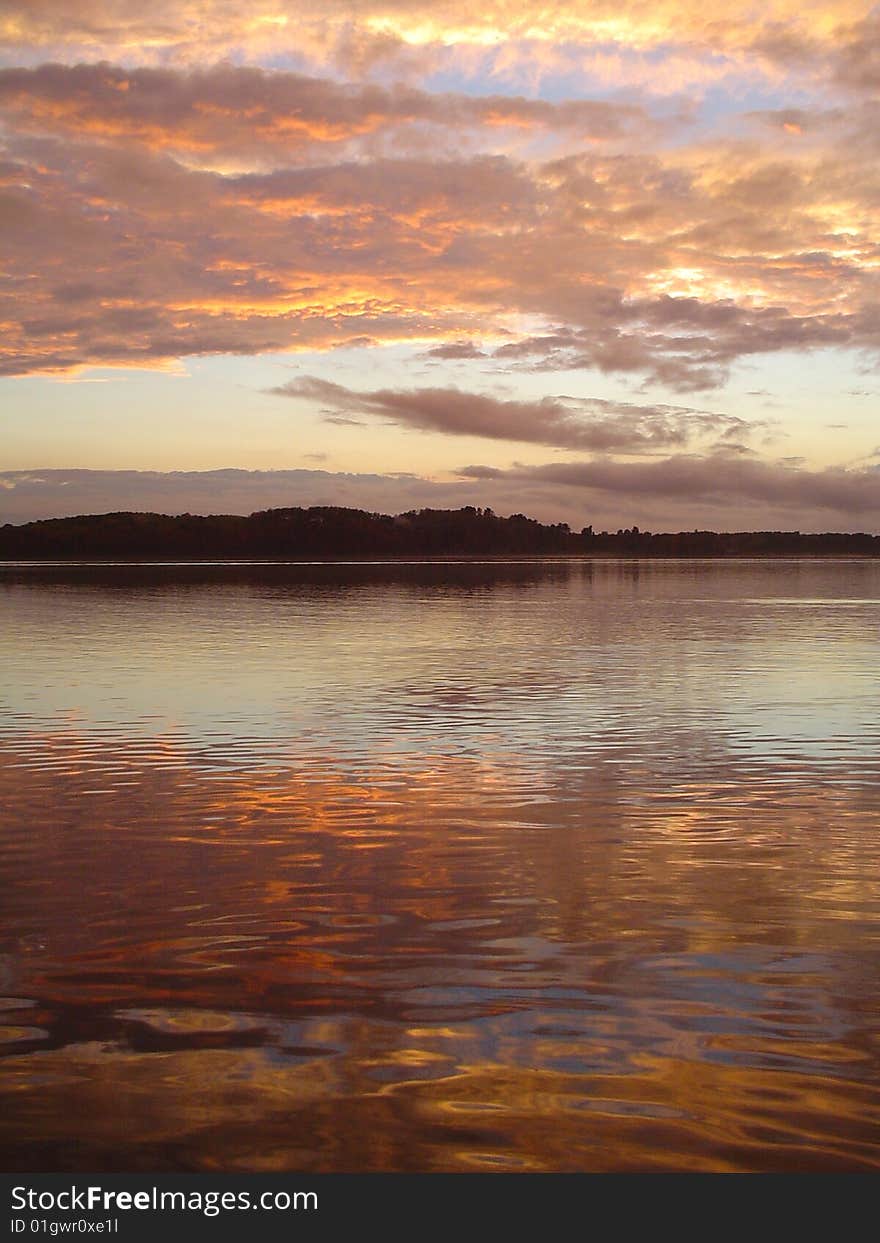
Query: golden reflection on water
x,y
488,930
299,970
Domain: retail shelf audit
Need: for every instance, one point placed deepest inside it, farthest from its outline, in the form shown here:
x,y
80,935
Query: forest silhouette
x,y
332,532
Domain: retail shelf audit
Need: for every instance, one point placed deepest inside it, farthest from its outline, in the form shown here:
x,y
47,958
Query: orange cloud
x,y
371,28
197,207
255,117
673,266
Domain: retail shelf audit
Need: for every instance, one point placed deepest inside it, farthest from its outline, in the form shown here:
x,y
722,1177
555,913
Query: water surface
x,y
512,866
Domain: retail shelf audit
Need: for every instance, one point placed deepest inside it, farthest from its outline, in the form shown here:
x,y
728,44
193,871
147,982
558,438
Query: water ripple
x,y
511,867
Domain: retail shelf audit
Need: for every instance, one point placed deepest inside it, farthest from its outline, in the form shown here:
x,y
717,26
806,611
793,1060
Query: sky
x,y
603,263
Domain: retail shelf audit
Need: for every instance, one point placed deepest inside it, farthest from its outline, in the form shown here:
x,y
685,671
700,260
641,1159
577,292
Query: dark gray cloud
x,y
455,350
686,343
719,479
564,422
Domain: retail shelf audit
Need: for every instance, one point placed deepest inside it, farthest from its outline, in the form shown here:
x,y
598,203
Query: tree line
x,y
334,532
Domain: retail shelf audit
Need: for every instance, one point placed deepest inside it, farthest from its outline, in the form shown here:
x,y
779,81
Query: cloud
x,y
565,422
717,491
635,264
260,116
649,191
455,350
719,479
200,206
856,57
364,34
29,495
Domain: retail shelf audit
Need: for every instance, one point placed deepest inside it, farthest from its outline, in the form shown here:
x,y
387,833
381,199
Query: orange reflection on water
x,y
432,963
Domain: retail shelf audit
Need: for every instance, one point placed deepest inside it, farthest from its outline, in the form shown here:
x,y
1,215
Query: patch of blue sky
x,y
493,71
733,101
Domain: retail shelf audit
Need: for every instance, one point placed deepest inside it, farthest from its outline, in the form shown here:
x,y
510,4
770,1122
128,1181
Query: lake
x,y
565,866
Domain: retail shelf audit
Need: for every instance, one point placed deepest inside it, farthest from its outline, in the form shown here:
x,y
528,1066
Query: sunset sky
x,y
598,262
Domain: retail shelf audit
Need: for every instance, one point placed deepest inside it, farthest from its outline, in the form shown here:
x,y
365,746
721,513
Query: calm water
x,y
466,867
